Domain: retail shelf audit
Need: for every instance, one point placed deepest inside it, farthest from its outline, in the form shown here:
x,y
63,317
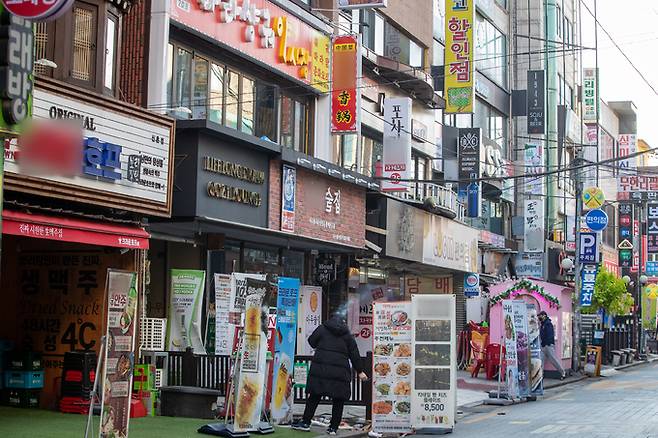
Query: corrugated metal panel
x,y
458,284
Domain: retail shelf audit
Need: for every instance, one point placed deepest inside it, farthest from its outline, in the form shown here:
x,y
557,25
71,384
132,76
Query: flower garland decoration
x,y
525,286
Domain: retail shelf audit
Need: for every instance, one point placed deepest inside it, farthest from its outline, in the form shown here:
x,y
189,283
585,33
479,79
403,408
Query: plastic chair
x,y
479,356
493,360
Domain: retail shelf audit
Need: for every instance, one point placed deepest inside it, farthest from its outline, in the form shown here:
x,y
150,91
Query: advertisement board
x,y
511,359
284,356
119,359
434,385
310,317
223,336
185,307
533,226
397,144
460,45
536,368
288,200
392,367
536,106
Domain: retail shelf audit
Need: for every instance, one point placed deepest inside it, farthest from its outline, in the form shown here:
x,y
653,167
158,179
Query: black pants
x,y
312,403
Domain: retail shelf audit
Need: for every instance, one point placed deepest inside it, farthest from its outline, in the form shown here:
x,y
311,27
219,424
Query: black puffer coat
x,y
335,348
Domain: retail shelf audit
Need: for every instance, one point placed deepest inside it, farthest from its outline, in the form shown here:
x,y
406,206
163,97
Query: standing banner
x,y
534,345
310,317
460,46
522,347
253,363
397,144
345,79
237,300
511,364
185,306
118,359
284,356
392,367
223,336
434,358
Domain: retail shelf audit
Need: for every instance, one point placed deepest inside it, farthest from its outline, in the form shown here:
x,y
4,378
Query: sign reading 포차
x,y
397,144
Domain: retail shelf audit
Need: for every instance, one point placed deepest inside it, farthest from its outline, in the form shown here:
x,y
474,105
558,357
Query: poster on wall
x,y
310,317
392,368
284,356
253,364
288,195
119,359
433,385
223,337
566,335
534,345
185,307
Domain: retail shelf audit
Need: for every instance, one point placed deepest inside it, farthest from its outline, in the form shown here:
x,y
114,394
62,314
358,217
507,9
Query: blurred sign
x,y
361,4
288,199
37,10
536,113
590,95
593,197
597,220
397,144
471,285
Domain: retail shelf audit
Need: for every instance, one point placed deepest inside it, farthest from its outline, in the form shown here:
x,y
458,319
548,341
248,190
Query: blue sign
x,y
651,268
288,199
101,159
471,285
589,248
588,279
596,220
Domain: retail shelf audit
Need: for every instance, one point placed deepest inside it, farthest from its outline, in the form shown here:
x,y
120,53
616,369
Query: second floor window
x,y
87,40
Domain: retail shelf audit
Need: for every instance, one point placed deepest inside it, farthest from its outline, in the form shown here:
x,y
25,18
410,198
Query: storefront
x,y
61,234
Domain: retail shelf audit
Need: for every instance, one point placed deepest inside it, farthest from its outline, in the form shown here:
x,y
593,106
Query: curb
x,y
565,382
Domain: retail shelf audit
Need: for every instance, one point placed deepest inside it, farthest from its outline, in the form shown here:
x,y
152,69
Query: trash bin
x,y
616,357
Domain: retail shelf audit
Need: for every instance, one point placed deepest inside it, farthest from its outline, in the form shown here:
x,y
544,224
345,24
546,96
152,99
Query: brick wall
x,y
134,46
310,206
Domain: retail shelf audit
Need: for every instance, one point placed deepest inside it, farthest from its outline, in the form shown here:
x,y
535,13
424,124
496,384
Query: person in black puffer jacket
x,y
330,373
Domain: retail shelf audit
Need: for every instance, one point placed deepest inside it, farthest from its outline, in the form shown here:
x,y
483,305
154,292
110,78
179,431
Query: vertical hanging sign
x,y
345,90
533,226
459,69
119,358
288,194
590,95
534,166
469,146
536,113
625,245
397,144
652,228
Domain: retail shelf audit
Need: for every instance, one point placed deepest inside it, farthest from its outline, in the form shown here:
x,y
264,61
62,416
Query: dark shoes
x,y
331,431
300,425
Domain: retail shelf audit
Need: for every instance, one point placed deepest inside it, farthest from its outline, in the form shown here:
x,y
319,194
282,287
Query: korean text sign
x,y
345,90
588,279
397,144
288,201
459,69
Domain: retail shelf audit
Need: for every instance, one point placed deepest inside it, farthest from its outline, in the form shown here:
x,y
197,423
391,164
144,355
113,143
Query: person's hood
x,y
336,326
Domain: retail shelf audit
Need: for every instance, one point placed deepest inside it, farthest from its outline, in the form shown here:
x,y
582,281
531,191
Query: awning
x,y
73,230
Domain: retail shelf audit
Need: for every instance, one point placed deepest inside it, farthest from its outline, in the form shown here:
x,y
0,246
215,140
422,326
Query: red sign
x,y
344,92
262,31
37,10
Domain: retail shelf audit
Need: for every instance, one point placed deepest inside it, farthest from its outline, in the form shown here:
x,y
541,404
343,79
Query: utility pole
x,y
575,351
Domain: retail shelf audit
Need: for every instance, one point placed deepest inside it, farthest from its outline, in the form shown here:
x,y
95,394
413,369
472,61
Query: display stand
x,y
94,390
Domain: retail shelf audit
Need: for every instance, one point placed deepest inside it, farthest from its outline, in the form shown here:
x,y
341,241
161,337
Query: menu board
x,y
433,394
392,367
118,361
223,337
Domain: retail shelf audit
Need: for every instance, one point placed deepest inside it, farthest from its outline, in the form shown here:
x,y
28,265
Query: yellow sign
x,y
593,197
459,69
320,65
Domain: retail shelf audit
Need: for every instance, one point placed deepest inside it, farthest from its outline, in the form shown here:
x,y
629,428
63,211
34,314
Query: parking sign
x,y
589,248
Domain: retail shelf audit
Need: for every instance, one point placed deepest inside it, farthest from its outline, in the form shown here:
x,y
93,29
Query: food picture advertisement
x,y
185,307
118,364
433,396
392,367
251,381
284,356
310,317
237,299
534,345
511,364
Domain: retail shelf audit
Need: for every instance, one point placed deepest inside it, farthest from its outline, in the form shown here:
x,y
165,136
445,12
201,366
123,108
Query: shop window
x,y
261,261
439,13
266,111
558,21
170,74
490,51
200,103
216,104
292,264
371,151
248,96
293,123
232,257
182,90
493,124
232,99
84,47
87,40
373,31
345,153
111,35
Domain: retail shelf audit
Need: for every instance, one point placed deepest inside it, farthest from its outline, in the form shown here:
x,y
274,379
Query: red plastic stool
x,y
492,360
137,408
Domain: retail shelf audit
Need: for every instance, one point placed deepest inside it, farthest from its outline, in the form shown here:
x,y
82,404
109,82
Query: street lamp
x,y
626,279
644,279
566,264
